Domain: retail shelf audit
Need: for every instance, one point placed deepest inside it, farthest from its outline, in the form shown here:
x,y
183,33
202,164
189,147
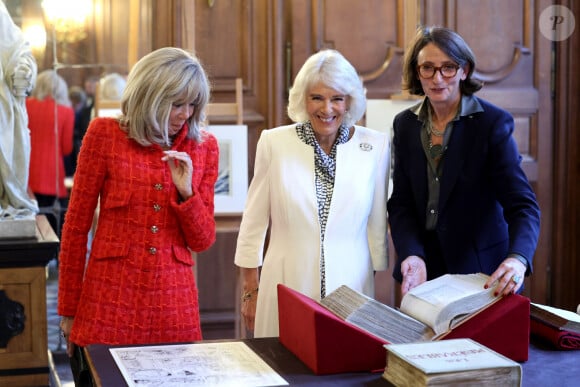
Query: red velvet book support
x,y
329,345
324,342
503,326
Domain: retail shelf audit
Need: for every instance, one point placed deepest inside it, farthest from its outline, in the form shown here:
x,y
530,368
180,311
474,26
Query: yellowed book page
x,y
438,302
374,317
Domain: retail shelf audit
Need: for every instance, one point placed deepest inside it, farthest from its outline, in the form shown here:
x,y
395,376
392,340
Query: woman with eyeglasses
x,y
461,202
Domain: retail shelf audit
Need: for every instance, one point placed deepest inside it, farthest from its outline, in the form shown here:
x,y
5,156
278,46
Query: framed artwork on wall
x,y
231,186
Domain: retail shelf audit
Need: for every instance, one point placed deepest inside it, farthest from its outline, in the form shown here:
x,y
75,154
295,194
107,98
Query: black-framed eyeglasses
x,y
427,71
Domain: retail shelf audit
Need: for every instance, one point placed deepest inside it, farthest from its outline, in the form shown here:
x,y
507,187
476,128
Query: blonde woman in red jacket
x,y
154,170
49,142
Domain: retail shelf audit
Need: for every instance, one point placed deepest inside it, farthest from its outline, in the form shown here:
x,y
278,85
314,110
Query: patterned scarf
x,y
325,169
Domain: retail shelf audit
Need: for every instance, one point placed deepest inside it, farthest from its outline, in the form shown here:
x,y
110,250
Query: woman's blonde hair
x,y
160,79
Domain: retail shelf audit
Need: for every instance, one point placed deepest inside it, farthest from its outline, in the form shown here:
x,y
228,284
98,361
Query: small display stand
x,y
24,358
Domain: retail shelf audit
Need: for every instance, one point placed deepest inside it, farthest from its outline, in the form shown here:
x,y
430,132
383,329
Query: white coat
x,y
283,191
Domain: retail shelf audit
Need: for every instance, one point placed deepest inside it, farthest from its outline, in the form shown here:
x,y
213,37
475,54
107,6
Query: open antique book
x,y
427,312
449,362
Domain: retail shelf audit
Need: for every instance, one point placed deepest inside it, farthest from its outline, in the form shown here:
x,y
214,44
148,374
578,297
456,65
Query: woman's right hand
x,y
181,169
249,288
66,324
249,311
414,273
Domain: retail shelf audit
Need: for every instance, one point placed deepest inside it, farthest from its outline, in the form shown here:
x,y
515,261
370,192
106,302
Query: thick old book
x,y
558,326
427,312
341,341
449,362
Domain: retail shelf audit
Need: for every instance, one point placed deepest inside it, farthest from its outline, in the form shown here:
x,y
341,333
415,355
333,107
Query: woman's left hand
x,y
66,324
181,171
509,276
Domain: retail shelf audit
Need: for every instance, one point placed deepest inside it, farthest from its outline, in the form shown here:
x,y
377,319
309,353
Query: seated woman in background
x,y
110,89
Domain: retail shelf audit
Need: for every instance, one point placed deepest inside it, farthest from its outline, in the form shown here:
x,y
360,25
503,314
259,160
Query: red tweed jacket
x,y
137,285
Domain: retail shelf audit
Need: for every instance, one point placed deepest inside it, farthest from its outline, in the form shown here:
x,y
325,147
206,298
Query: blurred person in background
x,y
78,99
90,88
110,89
51,123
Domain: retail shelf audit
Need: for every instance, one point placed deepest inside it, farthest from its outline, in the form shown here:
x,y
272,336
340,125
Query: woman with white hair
x,y
321,186
111,87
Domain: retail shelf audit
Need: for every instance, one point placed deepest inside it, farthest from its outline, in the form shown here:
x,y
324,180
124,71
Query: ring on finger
x,y
516,279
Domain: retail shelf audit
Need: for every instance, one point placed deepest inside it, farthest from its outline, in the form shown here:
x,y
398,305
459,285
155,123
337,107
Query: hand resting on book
x,y
508,278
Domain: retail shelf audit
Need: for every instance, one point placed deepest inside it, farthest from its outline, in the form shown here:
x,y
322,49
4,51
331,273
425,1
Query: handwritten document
x,y
202,364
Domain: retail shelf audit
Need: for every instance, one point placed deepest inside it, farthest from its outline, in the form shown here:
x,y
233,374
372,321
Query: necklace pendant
x,y
435,151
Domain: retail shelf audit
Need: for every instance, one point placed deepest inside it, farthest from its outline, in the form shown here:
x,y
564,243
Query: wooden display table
x,y
545,367
23,327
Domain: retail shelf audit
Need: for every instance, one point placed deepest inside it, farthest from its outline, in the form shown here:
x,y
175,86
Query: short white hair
x,y
330,68
111,86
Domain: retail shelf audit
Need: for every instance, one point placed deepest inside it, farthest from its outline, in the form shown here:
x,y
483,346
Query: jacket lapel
x,y
457,150
417,161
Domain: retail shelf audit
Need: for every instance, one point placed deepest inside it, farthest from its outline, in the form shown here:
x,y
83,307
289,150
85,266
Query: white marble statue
x,y
18,73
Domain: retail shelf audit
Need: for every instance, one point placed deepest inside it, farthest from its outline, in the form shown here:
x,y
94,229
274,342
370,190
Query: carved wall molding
x,y
375,74
503,73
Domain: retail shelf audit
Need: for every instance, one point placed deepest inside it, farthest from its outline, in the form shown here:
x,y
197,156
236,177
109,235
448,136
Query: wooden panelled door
x,y
513,59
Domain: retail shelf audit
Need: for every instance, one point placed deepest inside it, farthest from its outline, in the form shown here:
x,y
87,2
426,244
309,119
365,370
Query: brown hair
x,y
452,45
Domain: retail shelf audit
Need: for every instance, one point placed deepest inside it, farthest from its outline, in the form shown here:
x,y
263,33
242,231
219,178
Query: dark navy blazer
x,y
487,208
